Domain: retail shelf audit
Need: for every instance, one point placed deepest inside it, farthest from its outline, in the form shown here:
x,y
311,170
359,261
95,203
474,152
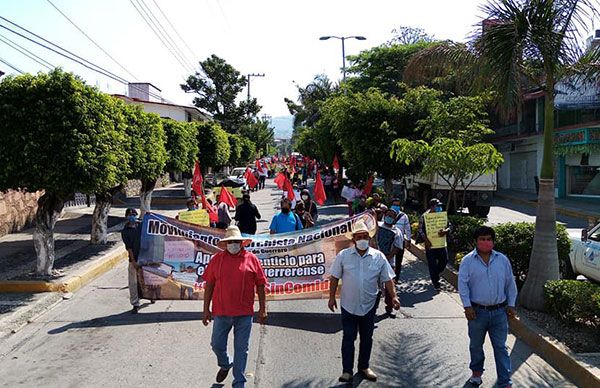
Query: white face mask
x,y
305,197
234,248
362,245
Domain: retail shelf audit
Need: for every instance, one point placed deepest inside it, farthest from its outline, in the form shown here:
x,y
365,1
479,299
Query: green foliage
x,y
461,239
410,35
382,67
515,240
310,98
248,152
573,301
218,85
147,141
242,150
213,144
182,146
261,134
59,135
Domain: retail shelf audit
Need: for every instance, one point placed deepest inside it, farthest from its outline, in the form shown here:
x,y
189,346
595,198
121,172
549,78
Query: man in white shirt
x,y
362,270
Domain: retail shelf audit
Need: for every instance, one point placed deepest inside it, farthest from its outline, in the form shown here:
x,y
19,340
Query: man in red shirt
x,y
231,279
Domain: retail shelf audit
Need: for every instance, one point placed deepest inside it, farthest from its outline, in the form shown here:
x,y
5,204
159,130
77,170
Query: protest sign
x,y
433,223
174,255
197,217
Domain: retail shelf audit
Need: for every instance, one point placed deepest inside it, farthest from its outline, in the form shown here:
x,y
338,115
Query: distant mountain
x,y
283,126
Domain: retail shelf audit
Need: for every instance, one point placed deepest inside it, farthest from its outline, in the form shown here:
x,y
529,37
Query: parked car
x,y
585,254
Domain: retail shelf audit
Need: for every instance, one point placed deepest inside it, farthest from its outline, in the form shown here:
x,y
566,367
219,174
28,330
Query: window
x,y
595,234
584,180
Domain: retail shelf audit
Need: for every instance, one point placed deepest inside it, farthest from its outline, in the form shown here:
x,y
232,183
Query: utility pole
x,y
253,75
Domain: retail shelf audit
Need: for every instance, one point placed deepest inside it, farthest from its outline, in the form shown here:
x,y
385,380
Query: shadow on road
x,y
413,289
324,323
127,318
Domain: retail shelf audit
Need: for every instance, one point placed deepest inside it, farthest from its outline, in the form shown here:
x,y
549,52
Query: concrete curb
x,y
73,282
560,210
556,354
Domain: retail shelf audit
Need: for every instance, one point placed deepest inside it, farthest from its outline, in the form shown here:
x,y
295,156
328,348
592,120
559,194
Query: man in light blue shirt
x,y
362,270
286,220
488,292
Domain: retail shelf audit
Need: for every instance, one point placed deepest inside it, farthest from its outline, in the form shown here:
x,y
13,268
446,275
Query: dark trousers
x,y
399,257
436,260
353,325
261,182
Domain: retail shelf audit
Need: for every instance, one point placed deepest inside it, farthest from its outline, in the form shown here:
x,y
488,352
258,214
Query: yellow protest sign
x,y
196,217
433,223
235,191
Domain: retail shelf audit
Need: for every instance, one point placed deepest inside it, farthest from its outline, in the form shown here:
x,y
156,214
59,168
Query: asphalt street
x,y
92,340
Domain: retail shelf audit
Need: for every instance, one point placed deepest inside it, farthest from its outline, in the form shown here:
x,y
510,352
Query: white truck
x,y
585,254
478,196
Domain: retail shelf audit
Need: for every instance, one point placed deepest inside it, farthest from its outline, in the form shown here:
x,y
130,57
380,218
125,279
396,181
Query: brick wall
x,y
17,210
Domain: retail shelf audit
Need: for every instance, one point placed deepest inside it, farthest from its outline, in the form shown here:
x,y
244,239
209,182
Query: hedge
x,y
515,240
463,228
573,301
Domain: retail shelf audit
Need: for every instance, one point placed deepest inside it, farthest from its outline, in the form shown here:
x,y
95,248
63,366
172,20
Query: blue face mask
x,y
438,209
132,218
396,208
388,220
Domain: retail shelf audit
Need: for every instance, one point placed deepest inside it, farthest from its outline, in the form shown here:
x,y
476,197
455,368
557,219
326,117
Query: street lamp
x,y
343,39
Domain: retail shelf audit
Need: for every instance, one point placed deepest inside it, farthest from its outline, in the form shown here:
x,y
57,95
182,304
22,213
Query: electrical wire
x,y
174,29
11,66
91,40
73,57
26,52
158,35
165,33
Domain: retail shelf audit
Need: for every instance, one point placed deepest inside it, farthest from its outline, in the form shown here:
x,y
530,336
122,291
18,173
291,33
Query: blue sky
x,y
278,38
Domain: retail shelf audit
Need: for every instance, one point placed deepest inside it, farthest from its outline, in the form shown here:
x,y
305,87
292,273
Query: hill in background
x,y
283,126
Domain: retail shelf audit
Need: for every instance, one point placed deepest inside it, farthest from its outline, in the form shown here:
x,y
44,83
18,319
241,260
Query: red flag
x,y
212,213
336,162
258,166
250,178
369,186
287,186
279,180
197,180
319,193
226,197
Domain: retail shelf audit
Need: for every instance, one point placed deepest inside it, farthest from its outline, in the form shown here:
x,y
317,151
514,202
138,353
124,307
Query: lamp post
x,y
343,39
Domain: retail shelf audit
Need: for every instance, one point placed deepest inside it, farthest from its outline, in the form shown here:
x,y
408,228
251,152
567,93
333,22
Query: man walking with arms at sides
x,y
362,270
131,235
231,277
488,292
246,215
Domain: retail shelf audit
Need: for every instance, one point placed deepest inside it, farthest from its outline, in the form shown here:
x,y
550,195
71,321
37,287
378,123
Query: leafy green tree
x,y
410,35
241,150
213,144
261,133
248,152
218,85
366,124
458,164
310,98
58,136
525,44
382,67
147,148
182,149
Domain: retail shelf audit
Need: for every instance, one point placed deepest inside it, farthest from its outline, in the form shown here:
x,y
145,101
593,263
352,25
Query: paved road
x,y
93,340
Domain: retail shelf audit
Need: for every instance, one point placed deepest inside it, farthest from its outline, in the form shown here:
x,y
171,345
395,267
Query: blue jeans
x,y
242,326
494,323
352,325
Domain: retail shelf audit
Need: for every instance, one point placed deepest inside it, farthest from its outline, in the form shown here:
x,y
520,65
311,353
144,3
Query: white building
x,y
148,96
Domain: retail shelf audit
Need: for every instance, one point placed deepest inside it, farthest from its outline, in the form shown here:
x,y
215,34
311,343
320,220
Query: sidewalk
x,y
581,208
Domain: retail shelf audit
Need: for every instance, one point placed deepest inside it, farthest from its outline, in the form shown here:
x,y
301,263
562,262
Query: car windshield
x,y
595,234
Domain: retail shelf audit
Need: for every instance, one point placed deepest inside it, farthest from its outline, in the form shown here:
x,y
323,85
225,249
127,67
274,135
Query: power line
x,y
82,61
174,29
26,52
11,66
158,35
166,34
91,40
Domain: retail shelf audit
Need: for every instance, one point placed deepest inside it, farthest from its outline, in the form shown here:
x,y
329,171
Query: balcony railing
x,y
516,130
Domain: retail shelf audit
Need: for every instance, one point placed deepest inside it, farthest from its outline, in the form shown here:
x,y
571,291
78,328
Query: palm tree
x,y
523,43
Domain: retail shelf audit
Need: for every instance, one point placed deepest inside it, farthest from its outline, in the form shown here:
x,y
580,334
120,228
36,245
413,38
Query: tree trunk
x,y
146,196
543,263
187,187
99,234
49,208
388,186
